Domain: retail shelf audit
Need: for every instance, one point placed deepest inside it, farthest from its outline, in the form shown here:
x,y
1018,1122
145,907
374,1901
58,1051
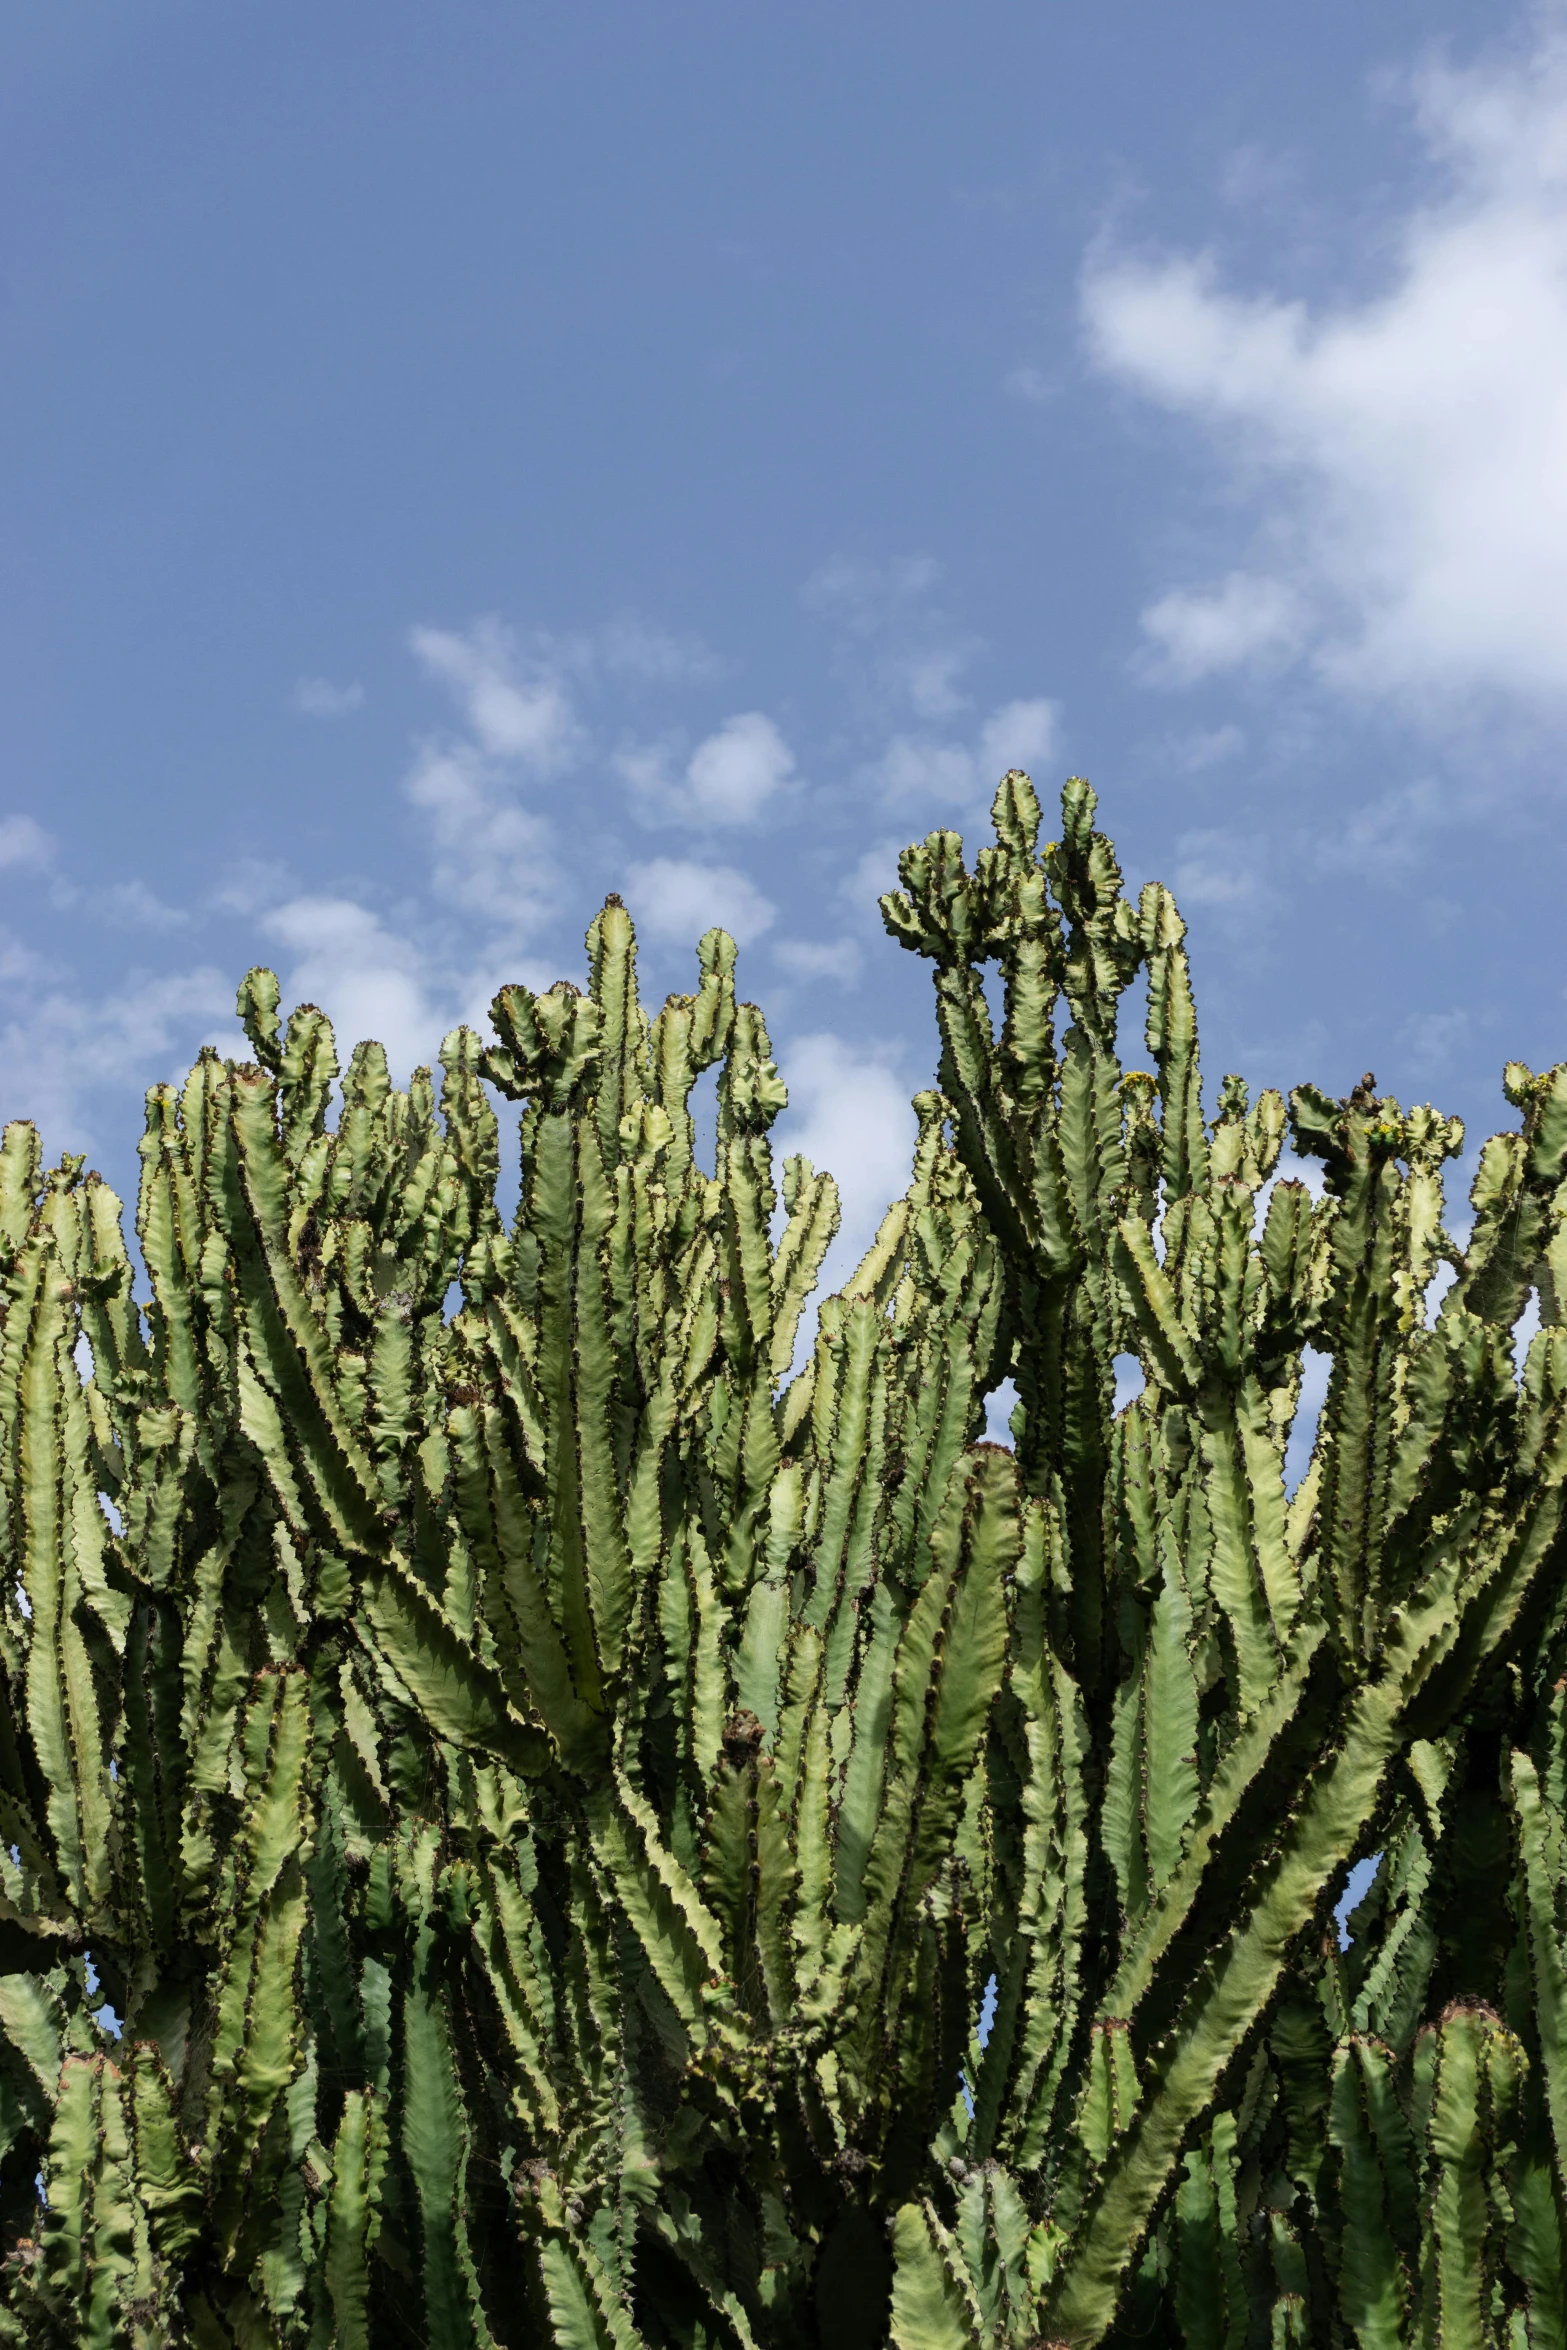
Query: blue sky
x,y
463,458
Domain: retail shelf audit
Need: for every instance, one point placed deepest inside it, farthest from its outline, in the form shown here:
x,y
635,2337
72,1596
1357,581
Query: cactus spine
x,y
511,1814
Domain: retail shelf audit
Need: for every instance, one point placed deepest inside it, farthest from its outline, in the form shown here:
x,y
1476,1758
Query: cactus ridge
x,y
519,1781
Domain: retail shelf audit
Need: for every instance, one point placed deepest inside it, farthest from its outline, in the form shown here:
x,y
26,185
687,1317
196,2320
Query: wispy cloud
x,y
318,697
370,980
516,707
906,663
633,648
1205,747
926,774
896,646
674,902
1222,871
1405,454
24,844
731,778
1034,384
133,906
1244,621
849,1112
68,1060
1391,836
819,959
1433,1041
493,854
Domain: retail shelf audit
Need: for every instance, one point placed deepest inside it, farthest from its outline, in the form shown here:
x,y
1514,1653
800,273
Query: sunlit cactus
x,y
529,1819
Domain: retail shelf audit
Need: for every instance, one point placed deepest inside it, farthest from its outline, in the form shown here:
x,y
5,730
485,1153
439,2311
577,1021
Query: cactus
x,y
517,1799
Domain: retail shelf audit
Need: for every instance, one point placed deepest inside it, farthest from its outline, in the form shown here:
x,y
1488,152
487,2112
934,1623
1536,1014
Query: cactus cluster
x,y
528,1818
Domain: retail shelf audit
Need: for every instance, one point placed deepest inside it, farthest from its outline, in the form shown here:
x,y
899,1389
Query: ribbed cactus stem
x,y
539,1804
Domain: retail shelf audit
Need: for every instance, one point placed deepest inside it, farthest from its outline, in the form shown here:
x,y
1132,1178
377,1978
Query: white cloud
x,y
866,596
1196,632
849,1112
514,714
1434,1040
1410,447
898,648
65,1058
20,965
808,958
675,902
492,855
1393,834
729,778
25,844
1019,734
136,907
318,697
250,884
1254,177
931,778
1215,869
1208,747
367,980
1031,384
929,680
872,875
633,648
916,773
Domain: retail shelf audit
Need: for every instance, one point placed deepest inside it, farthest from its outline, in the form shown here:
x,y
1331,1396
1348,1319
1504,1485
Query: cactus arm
x,y
1170,1781
1374,2282
552,1205
577,2317
865,1777
948,1670
606,1561
462,1697
1174,1360
257,2067
89,2233
359,2153
1210,2294
290,1348
167,2184
1172,1040
1534,2246
846,1439
676,1930
165,1224
933,2306
32,2019
522,1996
154,1764
814,1215
1440,1625
1259,1744
1218,2019
436,2145
1041,1990
1357,1415
1250,1566
678,2224
66,1732
1538,1832
487,1475
1472,2066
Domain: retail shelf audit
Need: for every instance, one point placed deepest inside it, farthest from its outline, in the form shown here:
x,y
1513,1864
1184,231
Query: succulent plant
x,y
540,1809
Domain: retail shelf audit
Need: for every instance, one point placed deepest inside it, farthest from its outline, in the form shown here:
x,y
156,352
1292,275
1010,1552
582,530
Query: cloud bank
x,y
1409,448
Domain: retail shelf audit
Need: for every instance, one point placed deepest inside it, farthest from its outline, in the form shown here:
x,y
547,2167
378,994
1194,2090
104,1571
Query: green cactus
x,y
512,1815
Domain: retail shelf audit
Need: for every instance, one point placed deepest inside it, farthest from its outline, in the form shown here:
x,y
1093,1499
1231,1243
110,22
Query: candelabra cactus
x,y
514,1810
